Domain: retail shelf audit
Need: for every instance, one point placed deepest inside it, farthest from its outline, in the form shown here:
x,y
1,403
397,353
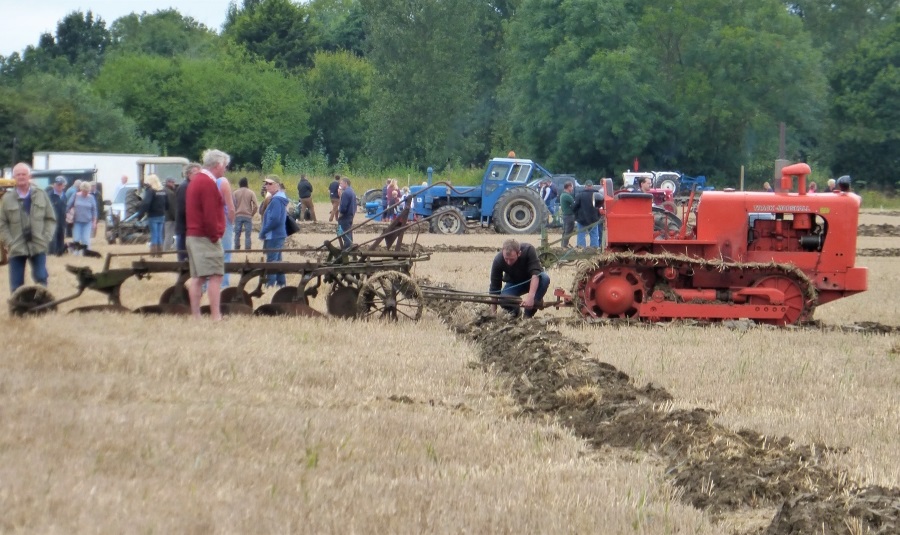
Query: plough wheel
x,y
235,296
341,302
289,294
175,295
548,259
26,298
390,295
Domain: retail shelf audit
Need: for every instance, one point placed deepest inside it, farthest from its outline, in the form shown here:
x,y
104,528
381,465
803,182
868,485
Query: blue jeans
x,y
17,270
227,244
242,223
273,254
81,233
157,229
594,232
519,289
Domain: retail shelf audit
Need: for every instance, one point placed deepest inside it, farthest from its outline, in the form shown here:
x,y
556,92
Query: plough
x,y
362,282
366,285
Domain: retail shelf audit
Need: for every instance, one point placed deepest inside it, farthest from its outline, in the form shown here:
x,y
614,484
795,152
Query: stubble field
x,y
457,423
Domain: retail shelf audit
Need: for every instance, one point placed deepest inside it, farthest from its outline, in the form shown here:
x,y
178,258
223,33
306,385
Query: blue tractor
x,y
504,200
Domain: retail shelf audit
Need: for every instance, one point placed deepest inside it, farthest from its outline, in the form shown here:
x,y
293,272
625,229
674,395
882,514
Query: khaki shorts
x,y
205,257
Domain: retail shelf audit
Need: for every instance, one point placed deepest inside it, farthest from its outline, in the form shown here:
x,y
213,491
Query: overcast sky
x,y
23,22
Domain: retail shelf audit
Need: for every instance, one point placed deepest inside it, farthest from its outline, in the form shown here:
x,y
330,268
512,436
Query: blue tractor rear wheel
x,y
520,211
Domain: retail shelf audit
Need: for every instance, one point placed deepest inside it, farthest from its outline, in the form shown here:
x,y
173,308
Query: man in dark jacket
x,y
346,211
305,190
567,211
169,241
58,200
518,265
180,214
587,212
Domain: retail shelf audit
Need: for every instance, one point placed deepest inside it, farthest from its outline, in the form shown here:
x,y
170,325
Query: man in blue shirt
x,y
346,211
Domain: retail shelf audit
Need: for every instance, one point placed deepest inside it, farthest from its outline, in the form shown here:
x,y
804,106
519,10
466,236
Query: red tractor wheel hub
x,y
612,292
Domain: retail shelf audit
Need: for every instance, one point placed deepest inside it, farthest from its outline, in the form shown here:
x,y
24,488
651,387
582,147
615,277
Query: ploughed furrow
x,y
717,469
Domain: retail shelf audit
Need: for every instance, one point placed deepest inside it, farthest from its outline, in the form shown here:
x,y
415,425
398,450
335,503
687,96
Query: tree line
x,y
583,86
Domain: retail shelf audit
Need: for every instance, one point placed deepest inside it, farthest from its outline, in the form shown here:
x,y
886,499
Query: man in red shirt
x,y
205,222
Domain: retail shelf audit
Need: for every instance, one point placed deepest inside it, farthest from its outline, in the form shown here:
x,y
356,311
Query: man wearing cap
x,y
27,224
205,225
58,200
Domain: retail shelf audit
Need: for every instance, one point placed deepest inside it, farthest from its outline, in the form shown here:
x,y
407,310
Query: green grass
x,y
879,200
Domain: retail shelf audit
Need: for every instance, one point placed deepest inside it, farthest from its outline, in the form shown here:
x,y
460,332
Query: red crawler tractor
x,y
768,257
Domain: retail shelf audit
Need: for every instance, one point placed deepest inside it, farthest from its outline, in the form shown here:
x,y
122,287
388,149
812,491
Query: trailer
x,y
110,167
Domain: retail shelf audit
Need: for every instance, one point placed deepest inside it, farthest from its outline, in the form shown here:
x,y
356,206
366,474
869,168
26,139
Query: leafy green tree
x,y
340,25
232,102
78,49
425,57
163,33
47,112
865,110
340,92
837,26
279,31
698,85
731,72
579,95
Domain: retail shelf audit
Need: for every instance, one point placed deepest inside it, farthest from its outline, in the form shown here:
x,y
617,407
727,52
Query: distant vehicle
x,y
118,206
128,199
661,179
164,167
558,181
503,199
109,166
679,184
44,178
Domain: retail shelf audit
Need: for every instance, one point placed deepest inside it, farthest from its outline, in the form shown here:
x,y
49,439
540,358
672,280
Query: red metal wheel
x,y
612,292
794,300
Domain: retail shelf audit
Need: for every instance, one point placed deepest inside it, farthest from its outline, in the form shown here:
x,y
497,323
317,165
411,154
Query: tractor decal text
x,y
781,208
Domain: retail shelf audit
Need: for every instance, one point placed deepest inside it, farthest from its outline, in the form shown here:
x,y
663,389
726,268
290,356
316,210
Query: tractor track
x,y
716,469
